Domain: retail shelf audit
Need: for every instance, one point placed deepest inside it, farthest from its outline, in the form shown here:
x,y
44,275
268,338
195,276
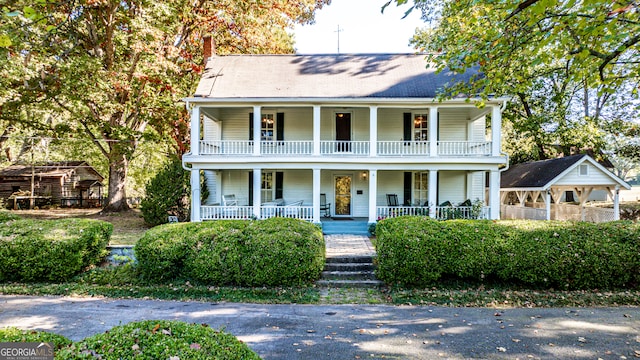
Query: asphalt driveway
x,y
357,331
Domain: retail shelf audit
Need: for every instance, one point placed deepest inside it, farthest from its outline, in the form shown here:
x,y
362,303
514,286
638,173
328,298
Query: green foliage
x,y
277,251
12,334
6,216
51,250
420,251
160,339
167,194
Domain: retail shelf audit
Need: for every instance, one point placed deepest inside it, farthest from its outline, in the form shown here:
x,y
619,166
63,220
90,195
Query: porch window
x,y
420,188
420,127
267,188
267,127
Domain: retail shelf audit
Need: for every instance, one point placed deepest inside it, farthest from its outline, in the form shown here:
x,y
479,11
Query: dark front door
x,y
343,132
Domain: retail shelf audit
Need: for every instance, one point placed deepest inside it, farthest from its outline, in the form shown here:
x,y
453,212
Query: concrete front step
x,y
343,259
350,283
349,267
348,275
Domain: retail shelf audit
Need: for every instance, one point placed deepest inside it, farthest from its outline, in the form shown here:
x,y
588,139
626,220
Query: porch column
x,y
316,131
316,196
195,130
433,193
195,195
494,195
218,198
257,192
616,203
257,131
373,196
496,130
373,131
547,203
433,132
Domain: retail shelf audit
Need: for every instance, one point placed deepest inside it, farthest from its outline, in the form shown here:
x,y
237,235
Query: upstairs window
x,y
583,170
420,127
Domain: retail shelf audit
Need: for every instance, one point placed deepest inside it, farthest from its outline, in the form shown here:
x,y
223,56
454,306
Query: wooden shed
x,y
67,183
558,189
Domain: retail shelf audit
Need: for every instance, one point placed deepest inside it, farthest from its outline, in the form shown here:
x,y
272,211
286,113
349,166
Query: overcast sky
x,y
363,29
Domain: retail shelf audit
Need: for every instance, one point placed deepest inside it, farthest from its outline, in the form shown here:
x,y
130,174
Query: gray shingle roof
x,y
323,76
537,174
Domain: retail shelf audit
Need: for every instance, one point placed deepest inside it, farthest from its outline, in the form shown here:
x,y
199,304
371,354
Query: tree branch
x,y
521,7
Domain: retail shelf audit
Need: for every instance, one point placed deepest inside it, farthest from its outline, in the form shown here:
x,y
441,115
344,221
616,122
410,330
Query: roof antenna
x,y
339,31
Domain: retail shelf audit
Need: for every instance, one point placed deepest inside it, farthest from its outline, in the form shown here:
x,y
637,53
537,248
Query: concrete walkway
x,y
357,331
345,244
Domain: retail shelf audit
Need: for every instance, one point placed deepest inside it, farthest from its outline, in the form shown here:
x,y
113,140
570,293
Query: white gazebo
x,y
542,190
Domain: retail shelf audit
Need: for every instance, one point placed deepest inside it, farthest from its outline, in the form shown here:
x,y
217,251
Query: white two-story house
x,y
356,136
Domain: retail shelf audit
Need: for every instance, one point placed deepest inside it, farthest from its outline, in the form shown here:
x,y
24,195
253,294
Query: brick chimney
x,y
209,48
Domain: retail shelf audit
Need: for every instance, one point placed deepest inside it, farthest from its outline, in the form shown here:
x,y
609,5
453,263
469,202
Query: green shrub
x,y
159,339
276,251
415,251
12,334
168,193
51,250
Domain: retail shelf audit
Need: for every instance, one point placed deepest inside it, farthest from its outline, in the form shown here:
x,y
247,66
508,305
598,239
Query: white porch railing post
x,y
373,131
257,192
433,131
496,129
616,203
316,130
316,196
433,193
195,130
257,130
494,195
373,195
195,195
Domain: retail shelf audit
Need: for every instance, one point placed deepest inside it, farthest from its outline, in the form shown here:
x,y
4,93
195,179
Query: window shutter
x,y
250,126
250,188
280,126
407,187
407,126
279,184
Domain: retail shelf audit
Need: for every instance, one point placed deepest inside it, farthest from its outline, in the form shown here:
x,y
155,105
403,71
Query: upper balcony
x,y
345,148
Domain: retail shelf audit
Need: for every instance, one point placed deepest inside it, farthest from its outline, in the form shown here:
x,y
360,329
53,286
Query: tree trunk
x,y
117,197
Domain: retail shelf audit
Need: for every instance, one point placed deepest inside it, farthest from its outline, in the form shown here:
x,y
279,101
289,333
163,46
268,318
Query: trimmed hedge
x,y
12,334
159,339
51,250
272,252
418,251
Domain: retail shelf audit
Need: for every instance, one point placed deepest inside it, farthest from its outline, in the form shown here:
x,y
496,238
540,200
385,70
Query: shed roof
x,y
543,174
323,76
49,169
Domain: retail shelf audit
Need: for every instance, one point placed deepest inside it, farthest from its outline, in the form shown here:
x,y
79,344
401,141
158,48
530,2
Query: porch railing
x,y
226,212
396,148
344,147
208,212
301,147
464,148
226,147
441,212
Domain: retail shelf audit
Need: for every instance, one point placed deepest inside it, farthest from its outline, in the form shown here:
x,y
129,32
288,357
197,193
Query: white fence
x,y
565,212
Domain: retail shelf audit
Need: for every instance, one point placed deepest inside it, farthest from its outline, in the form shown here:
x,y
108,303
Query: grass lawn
x,y
128,226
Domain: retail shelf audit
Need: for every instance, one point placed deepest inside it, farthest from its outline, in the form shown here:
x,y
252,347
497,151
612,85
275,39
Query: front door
x,y
342,184
343,132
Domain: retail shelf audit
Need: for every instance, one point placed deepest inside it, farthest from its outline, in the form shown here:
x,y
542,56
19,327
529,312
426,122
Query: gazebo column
x,y
616,203
547,203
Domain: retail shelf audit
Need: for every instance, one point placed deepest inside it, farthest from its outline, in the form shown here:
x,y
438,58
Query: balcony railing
x,y
441,212
395,148
286,147
344,147
464,148
347,148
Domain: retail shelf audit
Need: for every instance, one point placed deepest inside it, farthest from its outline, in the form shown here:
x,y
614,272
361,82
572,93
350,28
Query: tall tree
x,y
117,69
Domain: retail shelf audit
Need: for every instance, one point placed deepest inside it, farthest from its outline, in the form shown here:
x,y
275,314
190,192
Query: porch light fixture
x,y
267,120
364,175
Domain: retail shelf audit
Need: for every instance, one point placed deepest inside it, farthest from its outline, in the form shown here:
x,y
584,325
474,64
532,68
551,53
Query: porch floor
x,y
339,245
